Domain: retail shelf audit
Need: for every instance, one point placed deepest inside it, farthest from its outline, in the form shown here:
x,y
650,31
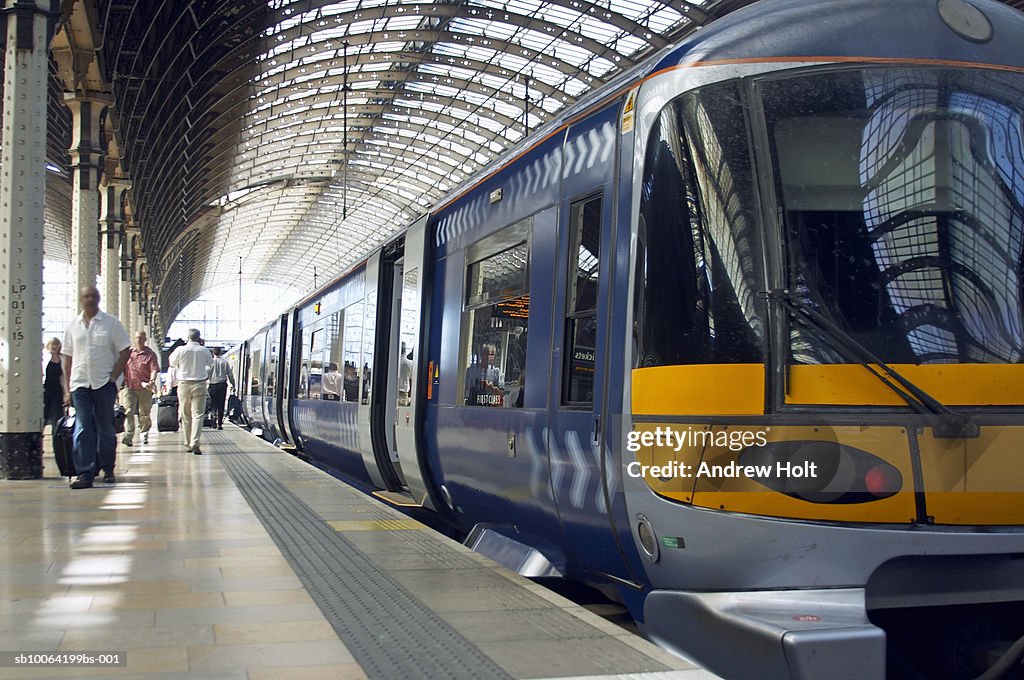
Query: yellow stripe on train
x,y
966,481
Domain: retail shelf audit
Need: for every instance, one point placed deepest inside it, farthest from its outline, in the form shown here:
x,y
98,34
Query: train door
x,y
270,375
582,469
367,372
242,376
289,324
405,359
254,380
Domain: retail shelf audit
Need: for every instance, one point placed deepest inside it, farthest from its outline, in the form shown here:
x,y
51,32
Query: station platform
x,y
246,562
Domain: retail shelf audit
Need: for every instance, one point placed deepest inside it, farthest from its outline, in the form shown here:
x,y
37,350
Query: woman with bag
x,y
54,387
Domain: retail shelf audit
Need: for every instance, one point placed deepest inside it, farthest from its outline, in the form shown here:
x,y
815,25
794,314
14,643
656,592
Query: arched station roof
x,y
283,135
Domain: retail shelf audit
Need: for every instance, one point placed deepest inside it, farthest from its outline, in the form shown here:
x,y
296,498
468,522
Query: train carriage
x,y
791,243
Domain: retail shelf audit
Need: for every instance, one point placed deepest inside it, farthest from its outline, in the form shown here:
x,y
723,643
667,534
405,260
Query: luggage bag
x,y
167,414
234,410
209,418
64,445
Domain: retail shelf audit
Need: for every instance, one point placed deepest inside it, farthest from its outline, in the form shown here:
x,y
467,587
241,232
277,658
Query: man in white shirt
x,y
220,375
95,350
191,363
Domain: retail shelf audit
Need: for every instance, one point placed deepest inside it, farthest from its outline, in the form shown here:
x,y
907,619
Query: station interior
x,y
513,339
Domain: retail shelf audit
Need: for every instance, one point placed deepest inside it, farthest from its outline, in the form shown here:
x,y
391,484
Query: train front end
x,y
823,461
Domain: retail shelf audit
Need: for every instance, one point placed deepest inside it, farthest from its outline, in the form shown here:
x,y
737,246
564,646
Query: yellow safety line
x,y
376,525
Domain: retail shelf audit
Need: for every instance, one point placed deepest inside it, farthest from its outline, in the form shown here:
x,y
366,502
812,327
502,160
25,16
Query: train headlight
x,y
822,471
648,539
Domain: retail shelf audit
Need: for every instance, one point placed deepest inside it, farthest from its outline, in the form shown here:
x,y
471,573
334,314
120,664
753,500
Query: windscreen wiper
x,y
951,425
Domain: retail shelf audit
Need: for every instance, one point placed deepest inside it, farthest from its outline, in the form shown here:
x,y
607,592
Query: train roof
x,y
982,31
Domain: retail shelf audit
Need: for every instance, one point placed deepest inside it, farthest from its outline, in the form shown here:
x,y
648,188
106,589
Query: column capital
x,y
104,99
115,182
87,149
111,213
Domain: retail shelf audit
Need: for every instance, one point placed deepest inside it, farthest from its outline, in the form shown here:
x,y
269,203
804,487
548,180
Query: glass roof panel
x,y
359,114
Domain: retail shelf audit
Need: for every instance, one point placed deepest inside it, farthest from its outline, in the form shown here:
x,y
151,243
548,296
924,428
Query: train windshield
x,y
902,197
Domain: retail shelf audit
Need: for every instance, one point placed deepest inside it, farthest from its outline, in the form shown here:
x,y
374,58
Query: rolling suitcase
x,y
119,417
209,418
64,445
167,414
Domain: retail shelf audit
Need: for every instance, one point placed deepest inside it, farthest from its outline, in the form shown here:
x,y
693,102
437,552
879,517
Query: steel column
x,y
111,234
22,188
86,154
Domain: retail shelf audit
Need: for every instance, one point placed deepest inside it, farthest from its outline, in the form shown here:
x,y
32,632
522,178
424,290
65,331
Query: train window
x,y
581,317
270,378
369,338
302,392
901,195
316,363
330,387
255,365
311,362
700,273
408,335
495,320
352,336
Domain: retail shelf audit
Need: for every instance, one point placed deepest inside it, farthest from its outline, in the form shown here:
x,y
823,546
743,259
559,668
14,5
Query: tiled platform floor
x,y
172,566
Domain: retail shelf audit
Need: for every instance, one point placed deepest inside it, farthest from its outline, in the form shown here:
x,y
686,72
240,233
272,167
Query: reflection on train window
x,y
352,336
495,324
369,337
255,365
902,192
408,333
270,377
581,311
700,269
316,363
330,385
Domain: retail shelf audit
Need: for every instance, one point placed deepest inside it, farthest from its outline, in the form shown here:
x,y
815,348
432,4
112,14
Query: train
x,y
737,340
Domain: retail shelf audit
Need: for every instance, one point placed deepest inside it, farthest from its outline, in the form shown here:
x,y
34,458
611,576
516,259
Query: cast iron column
x,y
22,188
86,153
111,234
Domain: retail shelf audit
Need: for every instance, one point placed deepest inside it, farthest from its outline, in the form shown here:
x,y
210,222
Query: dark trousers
x,y
53,406
95,439
218,396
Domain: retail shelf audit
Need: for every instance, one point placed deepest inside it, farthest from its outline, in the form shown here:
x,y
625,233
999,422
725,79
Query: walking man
x,y
95,351
220,375
191,363
139,384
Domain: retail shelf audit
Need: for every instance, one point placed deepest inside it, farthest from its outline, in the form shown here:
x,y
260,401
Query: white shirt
x,y
94,349
220,371
191,362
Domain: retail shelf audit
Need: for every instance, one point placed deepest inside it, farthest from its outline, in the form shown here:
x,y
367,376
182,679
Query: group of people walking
x,y
84,370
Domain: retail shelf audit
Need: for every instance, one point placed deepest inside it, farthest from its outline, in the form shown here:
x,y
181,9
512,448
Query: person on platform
x,y
139,385
95,350
220,375
55,387
191,363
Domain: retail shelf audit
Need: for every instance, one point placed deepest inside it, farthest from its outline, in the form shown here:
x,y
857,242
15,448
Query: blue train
x,y
738,340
